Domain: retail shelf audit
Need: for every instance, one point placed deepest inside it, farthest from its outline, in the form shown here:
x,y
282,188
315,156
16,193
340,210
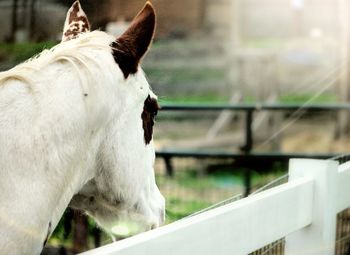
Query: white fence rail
x,y
303,210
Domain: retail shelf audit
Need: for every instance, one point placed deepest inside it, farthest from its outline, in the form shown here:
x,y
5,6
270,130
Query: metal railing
x,y
246,152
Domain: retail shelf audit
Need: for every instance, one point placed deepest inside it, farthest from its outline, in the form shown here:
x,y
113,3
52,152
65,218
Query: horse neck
x,y
46,157
31,210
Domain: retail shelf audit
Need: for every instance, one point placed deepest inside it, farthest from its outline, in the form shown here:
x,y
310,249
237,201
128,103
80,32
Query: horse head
x,y
123,186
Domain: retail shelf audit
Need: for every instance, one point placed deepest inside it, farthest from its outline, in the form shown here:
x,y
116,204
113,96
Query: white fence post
x,y
318,238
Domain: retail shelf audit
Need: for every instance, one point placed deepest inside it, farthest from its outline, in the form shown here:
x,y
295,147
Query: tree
x,y
32,15
14,24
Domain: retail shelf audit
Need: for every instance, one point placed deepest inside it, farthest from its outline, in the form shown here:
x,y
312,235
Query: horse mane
x,y
69,51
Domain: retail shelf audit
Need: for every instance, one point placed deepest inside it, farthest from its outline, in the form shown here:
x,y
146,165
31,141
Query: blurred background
x,y
247,53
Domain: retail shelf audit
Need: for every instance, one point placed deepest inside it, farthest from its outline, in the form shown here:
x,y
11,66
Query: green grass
x,y
300,98
194,99
263,43
180,75
220,99
178,209
22,51
303,98
188,192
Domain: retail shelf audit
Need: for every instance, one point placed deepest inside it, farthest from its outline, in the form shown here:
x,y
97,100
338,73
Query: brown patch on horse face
x,y
150,110
131,46
76,22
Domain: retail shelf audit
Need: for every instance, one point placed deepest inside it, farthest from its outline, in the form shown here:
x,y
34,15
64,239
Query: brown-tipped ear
x,y
131,46
76,22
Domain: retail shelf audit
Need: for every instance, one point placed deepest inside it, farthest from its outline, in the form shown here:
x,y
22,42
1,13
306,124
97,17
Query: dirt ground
x,y
313,137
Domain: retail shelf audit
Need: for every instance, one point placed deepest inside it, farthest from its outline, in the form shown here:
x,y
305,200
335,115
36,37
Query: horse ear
x,y
131,46
76,22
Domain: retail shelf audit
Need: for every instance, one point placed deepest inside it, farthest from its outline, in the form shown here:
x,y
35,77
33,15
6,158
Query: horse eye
x,y
154,114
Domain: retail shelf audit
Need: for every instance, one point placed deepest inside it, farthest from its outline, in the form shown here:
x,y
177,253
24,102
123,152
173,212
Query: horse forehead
x,y
139,81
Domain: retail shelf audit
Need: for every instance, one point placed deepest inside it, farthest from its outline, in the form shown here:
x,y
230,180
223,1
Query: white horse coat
x,y
70,125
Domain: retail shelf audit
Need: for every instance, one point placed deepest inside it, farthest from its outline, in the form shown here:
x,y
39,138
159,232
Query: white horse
x,y
76,121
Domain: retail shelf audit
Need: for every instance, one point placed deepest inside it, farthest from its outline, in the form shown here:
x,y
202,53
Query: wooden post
x,y
343,85
298,6
233,48
32,19
80,234
14,23
233,71
318,238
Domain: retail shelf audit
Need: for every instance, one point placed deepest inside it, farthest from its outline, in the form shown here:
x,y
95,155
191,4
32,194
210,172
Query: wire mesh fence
x,y
343,221
342,246
190,191
276,248
343,233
